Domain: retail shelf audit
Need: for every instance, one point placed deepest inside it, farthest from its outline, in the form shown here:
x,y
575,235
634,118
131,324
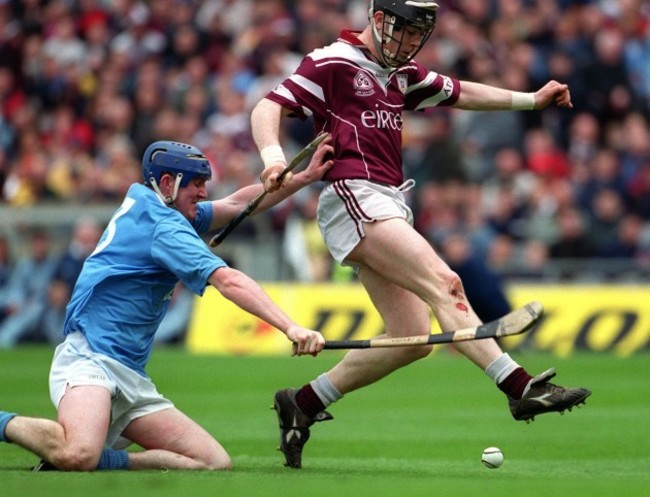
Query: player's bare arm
x,y
248,295
226,209
478,96
265,127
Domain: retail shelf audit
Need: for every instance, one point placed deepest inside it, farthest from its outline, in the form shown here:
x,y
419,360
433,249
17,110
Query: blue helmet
x,y
185,161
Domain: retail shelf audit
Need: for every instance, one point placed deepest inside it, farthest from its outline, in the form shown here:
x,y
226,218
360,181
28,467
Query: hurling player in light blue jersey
x,y
98,381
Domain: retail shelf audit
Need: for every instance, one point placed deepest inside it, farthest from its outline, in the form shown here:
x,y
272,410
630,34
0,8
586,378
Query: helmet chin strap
x,y
377,40
168,200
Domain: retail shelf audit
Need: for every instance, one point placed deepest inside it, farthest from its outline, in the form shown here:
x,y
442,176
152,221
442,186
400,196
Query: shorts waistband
x,y
404,187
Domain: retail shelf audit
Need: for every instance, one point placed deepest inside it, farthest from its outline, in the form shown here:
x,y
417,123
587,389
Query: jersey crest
x,y
402,83
363,85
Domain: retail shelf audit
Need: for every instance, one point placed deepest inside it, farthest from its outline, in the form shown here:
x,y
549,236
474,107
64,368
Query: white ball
x,y
492,457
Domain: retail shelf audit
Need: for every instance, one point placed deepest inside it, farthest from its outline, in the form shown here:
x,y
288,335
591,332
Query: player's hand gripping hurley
x,y
253,204
513,323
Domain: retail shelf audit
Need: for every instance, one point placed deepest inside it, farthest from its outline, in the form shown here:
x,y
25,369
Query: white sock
x,y
500,368
327,393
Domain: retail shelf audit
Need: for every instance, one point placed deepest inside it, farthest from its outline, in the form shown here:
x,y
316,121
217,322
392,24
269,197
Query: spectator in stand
x,y
174,325
303,247
68,144
231,120
584,140
507,216
628,242
273,67
548,197
607,210
571,241
431,150
12,97
510,174
485,290
26,182
84,239
482,134
544,157
604,173
639,190
63,45
148,72
137,39
4,171
475,226
93,26
609,94
502,255
634,150
116,168
533,260
26,297
147,96
637,53
51,323
5,273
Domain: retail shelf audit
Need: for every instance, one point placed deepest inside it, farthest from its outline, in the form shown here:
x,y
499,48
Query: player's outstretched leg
x,y
541,397
294,426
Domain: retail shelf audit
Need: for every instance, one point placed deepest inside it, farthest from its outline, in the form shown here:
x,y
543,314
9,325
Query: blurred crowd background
x,y
556,195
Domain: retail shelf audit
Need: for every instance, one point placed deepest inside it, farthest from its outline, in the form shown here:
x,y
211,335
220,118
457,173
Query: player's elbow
x,y
227,281
265,108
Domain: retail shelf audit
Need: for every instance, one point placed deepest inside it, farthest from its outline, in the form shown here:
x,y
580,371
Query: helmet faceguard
x,y
398,16
184,161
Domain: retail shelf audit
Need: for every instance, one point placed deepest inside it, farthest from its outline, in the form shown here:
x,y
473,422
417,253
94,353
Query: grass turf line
x,y
418,432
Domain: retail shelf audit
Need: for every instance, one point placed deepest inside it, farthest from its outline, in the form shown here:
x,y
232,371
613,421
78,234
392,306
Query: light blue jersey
x,y
125,286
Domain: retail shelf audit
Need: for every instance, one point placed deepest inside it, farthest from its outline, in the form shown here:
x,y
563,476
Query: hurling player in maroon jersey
x,y
356,89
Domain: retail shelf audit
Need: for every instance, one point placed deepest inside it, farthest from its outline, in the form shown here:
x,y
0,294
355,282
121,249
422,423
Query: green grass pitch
x,y
419,432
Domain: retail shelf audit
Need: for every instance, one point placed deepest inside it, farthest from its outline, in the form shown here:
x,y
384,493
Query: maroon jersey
x,y
360,104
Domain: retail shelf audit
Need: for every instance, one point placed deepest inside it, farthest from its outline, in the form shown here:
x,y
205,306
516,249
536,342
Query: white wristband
x,y
522,101
272,155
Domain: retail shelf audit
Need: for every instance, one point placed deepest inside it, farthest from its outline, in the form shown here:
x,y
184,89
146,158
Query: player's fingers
x,y
271,184
285,180
301,346
564,96
311,346
317,344
317,347
294,349
269,177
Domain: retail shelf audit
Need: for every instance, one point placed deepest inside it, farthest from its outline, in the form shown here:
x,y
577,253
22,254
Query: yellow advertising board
x,y
338,311
597,318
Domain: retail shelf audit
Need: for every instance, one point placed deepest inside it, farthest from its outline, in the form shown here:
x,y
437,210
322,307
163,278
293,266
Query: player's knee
x,y
223,465
452,286
219,463
418,352
445,283
407,355
76,459
214,458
